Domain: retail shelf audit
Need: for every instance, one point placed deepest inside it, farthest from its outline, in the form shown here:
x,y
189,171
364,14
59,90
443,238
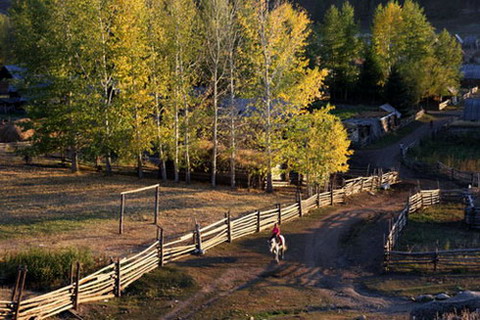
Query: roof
x,y
471,111
471,71
459,39
15,71
388,108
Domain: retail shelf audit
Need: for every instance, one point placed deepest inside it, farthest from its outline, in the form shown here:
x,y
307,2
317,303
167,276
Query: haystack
x,y
14,132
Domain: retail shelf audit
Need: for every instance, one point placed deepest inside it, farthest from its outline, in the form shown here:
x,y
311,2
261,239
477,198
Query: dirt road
x,y
326,261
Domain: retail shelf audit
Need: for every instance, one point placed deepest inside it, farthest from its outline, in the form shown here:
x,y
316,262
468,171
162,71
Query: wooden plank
x,y
140,189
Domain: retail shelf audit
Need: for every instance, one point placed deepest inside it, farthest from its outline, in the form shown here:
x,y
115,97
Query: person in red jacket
x,y
276,233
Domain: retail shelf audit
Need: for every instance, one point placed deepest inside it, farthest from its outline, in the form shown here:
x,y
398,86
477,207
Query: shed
x,y
471,75
471,111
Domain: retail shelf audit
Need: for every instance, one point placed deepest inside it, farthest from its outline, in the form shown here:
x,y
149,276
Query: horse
x,y
277,248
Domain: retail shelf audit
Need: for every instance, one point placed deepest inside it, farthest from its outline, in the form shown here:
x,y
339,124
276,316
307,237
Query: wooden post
x,y
368,170
20,292
72,273
157,199
17,282
198,238
435,261
229,226
77,287
361,184
279,207
331,194
118,278
160,239
122,210
258,221
300,207
318,197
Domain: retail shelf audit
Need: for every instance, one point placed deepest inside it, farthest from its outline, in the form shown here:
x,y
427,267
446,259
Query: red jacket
x,y
276,231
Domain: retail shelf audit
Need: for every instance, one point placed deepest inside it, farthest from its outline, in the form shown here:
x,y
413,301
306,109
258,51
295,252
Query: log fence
x,y
434,261
111,280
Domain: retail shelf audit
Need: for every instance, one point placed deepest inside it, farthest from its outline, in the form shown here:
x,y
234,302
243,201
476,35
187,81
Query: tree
x,y
282,78
216,22
340,50
398,93
182,56
316,145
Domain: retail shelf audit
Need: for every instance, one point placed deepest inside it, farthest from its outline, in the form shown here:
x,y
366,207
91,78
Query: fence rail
x,y
446,260
109,281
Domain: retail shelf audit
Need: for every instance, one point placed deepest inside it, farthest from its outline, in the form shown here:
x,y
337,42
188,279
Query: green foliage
x,y
340,49
47,268
316,145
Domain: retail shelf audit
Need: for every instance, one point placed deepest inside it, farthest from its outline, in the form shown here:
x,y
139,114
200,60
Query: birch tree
x,y
283,80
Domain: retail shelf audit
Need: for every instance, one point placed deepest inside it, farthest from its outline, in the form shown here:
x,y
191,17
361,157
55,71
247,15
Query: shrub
x,y
47,268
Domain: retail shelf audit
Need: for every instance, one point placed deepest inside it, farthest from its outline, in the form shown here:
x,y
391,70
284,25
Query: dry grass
x,y
50,207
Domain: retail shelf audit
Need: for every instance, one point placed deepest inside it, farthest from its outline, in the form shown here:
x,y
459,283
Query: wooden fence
x,y
109,281
467,177
445,260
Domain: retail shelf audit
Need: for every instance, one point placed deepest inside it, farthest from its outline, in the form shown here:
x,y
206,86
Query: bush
x,y
47,268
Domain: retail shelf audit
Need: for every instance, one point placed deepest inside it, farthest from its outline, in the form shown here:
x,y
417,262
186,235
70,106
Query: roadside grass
x,y
149,297
461,152
439,226
410,286
47,269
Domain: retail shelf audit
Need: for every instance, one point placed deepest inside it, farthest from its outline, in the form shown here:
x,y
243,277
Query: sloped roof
x,y
15,71
471,71
388,108
471,111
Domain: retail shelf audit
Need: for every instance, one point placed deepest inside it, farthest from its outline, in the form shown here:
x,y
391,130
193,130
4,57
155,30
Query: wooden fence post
x,y
118,278
300,206
17,282
279,208
20,291
258,221
229,226
331,194
76,289
198,238
160,239
157,199
435,261
361,184
318,197
122,210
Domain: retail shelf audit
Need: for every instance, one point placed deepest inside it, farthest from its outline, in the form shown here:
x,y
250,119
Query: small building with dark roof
x,y
471,110
10,99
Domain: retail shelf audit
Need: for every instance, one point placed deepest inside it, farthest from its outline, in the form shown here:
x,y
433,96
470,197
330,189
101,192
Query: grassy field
x,y
52,208
461,152
438,226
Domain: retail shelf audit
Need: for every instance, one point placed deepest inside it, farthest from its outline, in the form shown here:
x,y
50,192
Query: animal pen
x,y
109,281
432,261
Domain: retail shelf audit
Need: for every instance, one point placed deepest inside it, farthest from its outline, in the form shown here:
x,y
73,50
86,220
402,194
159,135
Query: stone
x,y
468,300
442,296
424,298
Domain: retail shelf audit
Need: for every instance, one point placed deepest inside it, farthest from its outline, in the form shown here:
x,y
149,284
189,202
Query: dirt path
x,y
389,157
327,259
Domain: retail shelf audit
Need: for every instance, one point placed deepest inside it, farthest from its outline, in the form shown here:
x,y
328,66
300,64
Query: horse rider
x,y
276,233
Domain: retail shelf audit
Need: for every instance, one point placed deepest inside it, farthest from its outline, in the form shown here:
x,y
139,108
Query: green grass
x,y
438,226
346,111
461,151
149,297
47,269
410,286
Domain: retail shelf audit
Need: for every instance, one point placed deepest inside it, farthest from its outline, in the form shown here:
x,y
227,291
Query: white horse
x,y
278,248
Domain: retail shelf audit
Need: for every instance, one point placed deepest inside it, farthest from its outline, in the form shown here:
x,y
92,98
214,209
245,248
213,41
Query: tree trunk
x,y
108,164
75,167
140,165
215,127
233,146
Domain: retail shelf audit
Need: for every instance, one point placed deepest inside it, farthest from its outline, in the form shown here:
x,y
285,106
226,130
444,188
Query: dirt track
x,y
326,261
